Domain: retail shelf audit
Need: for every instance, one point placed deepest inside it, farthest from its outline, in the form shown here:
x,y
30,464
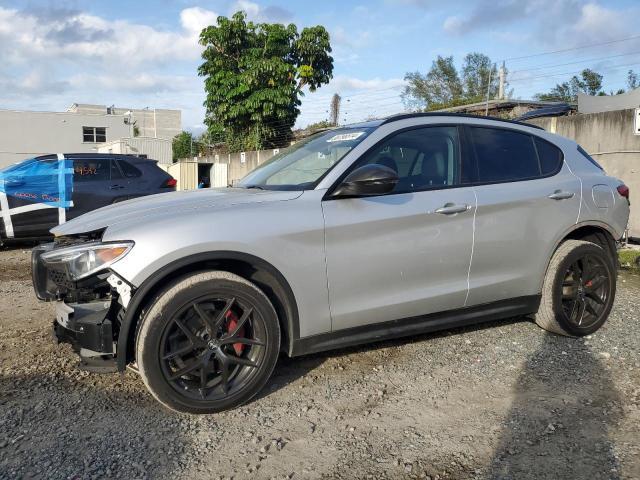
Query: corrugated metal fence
x,y
238,164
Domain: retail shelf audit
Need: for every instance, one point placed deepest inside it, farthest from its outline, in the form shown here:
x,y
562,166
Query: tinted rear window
x,y
504,155
550,157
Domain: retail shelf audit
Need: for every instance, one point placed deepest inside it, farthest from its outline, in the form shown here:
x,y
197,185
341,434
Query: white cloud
x,y
258,13
25,38
352,39
194,19
344,83
555,23
140,82
52,58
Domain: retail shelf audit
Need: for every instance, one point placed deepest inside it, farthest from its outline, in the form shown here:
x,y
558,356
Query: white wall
x,y
160,149
152,122
28,134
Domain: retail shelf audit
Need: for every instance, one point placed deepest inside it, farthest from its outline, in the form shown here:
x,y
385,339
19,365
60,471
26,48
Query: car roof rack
x,y
403,116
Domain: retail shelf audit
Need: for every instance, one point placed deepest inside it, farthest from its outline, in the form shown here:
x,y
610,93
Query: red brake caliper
x,y
232,322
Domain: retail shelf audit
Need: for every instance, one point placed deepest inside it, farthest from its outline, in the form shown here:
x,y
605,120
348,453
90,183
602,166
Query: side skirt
x,y
416,325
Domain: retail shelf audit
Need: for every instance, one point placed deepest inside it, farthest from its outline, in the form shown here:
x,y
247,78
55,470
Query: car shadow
x,y
564,407
288,370
53,426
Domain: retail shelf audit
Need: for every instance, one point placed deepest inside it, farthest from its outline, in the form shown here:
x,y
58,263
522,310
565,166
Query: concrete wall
x,y
28,134
609,138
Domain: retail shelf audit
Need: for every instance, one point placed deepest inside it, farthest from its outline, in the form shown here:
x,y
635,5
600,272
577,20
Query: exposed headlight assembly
x,y
83,260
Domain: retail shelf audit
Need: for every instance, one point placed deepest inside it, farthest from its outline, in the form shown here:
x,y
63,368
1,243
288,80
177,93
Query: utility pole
x,y
486,110
503,74
335,109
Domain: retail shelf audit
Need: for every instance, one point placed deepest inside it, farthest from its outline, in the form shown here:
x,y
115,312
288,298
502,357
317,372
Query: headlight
x,y
86,259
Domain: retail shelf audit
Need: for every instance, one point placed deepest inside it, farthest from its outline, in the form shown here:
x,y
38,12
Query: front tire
x,y
579,289
208,343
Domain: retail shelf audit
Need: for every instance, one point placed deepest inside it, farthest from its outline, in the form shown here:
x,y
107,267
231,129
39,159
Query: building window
x,y
94,134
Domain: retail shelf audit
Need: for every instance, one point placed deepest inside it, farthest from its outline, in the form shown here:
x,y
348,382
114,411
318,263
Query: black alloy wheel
x,y
208,342
212,347
579,289
585,291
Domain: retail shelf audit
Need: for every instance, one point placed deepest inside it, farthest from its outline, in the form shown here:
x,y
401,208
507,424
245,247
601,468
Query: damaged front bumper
x,y
88,312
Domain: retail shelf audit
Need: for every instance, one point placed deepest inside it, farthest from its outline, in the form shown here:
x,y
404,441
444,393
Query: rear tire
x,y
208,343
579,289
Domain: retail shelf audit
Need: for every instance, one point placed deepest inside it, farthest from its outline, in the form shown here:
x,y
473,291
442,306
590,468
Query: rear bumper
x,y
89,330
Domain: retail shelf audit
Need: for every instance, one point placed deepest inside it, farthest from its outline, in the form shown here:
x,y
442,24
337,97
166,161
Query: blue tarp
x,y
48,181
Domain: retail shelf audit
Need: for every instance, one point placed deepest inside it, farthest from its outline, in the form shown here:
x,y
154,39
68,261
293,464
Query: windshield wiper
x,y
254,186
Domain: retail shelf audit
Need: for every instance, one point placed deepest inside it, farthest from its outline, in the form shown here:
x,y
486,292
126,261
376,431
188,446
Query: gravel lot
x,y
504,400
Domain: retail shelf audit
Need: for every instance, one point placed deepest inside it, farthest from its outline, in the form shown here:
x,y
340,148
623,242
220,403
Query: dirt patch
x,y
503,401
13,265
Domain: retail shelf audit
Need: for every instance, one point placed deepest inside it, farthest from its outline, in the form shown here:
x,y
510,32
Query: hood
x,y
170,205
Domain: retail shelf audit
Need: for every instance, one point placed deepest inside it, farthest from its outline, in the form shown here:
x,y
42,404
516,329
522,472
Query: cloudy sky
x,y
145,53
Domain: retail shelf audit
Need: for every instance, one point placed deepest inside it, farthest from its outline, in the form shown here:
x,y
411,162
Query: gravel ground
x,y
504,401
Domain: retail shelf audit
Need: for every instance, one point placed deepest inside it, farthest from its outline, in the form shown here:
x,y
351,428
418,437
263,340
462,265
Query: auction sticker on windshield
x,y
344,137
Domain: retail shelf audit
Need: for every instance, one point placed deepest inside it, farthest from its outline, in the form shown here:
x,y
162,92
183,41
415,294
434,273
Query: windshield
x,y
302,165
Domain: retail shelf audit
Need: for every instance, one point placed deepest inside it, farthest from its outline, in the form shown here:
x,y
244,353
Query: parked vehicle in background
x,y
98,180
378,230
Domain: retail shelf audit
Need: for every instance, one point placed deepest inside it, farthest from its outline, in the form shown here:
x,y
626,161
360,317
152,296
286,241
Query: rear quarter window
x,y
550,157
129,170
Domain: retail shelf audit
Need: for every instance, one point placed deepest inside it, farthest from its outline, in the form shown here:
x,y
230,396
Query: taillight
x,y
171,182
623,190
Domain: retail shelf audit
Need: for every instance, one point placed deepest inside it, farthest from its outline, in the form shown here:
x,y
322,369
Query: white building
x,y
155,123
87,128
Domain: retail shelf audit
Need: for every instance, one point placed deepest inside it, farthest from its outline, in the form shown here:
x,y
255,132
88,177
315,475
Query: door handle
x,y
452,209
560,195
116,187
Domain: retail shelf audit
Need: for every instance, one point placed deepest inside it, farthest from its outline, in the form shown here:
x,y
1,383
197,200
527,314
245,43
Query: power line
x,y
613,67
573,48
574,63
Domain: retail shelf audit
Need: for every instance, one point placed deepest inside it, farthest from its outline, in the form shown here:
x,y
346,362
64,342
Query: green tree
x,y
589,82
183,145
442,86
254,75
321,125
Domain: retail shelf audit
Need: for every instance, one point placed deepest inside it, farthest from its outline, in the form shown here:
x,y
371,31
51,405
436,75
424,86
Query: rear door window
x,y
91,169
504,155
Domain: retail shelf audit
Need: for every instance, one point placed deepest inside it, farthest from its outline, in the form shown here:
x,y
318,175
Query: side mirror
x,y
368,180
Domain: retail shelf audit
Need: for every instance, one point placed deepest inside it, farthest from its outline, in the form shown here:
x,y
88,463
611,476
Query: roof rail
x,y
403,116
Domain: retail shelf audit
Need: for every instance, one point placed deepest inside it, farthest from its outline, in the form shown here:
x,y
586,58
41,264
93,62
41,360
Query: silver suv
x,y
378,230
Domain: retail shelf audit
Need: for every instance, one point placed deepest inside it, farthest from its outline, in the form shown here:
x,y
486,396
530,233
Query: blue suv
x,y
98,180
